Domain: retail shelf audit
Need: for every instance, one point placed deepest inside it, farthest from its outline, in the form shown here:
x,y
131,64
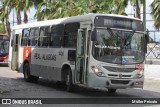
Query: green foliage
x,y
120,6
4,14
155,8
2,28
66,8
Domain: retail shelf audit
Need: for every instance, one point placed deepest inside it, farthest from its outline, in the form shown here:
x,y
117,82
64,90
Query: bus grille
x,y
118,69
119,82
116,75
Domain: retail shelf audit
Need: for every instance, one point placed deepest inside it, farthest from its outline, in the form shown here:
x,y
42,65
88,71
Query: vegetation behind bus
x,y
2,28
51,9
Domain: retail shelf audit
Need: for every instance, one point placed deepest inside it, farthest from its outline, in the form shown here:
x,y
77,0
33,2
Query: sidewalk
x,y
152,71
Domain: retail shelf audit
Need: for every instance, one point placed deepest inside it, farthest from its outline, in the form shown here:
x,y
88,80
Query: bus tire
x,y
27,76
69,84
110,90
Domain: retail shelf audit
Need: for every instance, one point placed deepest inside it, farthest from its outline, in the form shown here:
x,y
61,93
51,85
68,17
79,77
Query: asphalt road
x,y
12,85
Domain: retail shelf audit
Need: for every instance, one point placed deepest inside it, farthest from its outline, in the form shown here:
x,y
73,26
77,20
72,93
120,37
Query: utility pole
x,y
144,14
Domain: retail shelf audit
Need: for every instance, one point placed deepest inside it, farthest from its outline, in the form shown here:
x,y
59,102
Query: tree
x,y
155,8
27,4
66,8
138,4
17,5
4,15
120,6
2,28
43,10
9,5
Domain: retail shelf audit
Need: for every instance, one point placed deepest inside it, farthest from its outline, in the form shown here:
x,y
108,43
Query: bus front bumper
x,y
4,62
116,83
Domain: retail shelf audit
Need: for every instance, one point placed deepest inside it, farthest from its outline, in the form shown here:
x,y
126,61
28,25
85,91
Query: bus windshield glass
x,y
4,47
119,46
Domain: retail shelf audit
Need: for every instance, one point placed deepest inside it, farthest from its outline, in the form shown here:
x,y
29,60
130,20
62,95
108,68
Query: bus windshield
x,y
4,47
119,46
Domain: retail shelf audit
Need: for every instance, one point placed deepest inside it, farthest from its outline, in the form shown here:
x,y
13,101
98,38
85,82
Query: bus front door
x,y
80,73
14,63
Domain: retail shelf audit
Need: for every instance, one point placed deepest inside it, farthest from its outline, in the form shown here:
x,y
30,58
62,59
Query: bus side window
x,y
44,39
25,35
70,35
57,33
17,38
33,36
12,38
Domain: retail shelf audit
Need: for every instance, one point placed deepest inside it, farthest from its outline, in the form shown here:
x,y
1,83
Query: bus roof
x,y
82,18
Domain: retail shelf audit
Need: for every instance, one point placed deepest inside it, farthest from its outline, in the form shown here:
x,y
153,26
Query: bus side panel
x,y
45,63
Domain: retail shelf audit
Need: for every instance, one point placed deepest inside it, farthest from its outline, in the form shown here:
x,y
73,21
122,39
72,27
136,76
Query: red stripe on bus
x,y
27,54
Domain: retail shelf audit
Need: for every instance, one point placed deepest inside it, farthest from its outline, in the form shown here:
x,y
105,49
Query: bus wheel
x,y
69,84
112,90
27,76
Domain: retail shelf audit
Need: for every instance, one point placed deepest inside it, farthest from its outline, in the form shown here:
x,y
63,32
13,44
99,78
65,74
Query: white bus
x,y
93,50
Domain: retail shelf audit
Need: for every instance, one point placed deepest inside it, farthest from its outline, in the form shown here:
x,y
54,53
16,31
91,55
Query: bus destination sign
x,y
119,23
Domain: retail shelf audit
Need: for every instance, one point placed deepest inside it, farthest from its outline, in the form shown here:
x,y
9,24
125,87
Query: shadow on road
x,y
79,90
10,85
84,91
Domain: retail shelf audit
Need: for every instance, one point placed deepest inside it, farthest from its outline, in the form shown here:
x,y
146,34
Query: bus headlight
x,y
139,74
97,71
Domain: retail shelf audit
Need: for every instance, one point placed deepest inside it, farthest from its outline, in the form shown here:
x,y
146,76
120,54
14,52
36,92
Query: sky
x,y
149,20
129,11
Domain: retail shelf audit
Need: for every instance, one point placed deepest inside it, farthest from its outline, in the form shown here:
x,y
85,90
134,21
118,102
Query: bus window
x,y
44,36
33,38
13,34
56,34
25,35
70,35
